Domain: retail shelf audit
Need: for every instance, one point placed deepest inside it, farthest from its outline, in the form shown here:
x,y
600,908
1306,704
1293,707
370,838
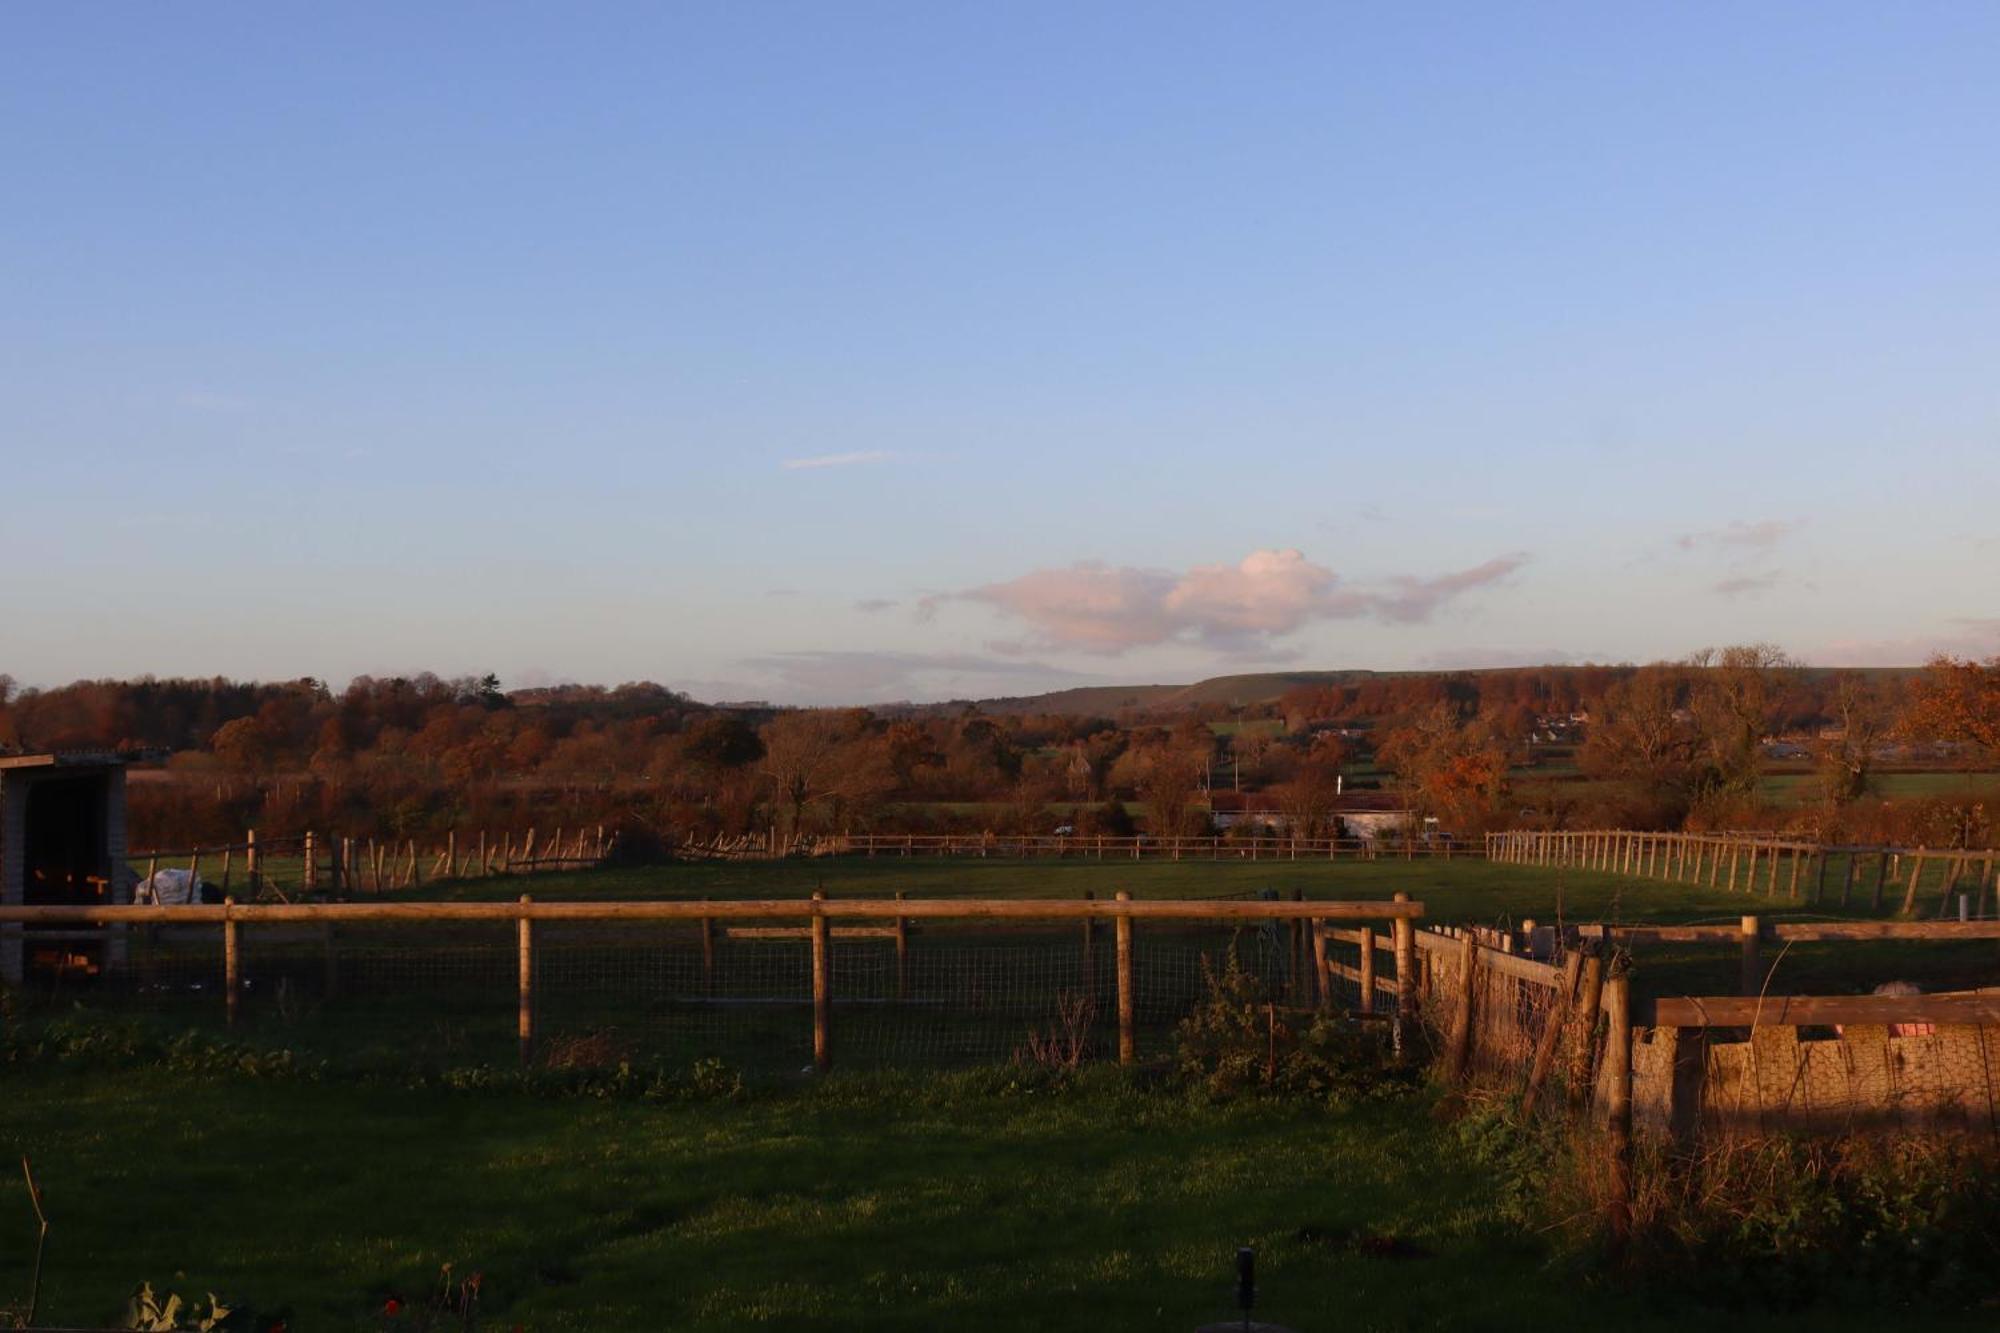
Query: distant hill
x,y
1264,687
1253,688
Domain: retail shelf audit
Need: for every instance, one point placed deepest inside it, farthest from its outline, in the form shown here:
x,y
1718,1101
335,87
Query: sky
x,y
855,352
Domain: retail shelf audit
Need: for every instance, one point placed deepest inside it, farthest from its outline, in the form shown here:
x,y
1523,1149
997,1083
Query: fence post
x,y
1618,1139
1367,969
524,938
1128,1046
232,960
311,879
822,984
1090,950
249,861
708,955
1458,1049
1322,978
1295,936
1581,1061
1404,934
1752,970
903,953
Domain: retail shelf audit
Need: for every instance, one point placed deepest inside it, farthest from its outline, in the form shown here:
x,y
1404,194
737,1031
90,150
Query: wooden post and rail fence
x,y
1085,847
314,863
818,914
1819,873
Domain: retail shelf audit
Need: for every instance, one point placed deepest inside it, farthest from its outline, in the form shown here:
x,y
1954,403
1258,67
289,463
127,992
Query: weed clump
x,y
1240,1040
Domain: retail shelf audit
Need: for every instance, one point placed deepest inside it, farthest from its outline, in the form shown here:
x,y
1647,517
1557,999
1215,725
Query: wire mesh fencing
x,y
925,985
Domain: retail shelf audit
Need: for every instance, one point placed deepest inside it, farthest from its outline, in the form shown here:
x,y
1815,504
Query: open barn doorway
x,y
62,844
65,856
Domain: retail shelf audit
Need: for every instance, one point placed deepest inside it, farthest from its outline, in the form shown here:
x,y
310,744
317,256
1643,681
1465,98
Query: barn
x,y
62,842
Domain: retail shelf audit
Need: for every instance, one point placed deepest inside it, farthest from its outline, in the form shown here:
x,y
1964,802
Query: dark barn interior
x,y
64,852
62,839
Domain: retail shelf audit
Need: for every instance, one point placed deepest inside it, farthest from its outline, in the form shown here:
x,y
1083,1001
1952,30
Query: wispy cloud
x,y
1099,608
1477,659
1743,584
1977,637
1759,535
858,458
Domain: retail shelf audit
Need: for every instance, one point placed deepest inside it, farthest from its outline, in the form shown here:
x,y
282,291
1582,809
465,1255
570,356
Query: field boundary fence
x,y
767,983
312,863
1932,881
1081,847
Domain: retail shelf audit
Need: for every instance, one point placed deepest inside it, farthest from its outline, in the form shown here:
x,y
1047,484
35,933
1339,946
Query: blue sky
x,y
1131,342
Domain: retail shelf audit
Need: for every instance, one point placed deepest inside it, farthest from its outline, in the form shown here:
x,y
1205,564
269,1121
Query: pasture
x,y
323,1162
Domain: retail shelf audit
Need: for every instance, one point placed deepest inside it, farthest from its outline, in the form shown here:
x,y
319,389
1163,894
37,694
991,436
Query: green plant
x,y
1239,1039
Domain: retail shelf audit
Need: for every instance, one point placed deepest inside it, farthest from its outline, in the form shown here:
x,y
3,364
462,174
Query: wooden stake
x,y
1583,1057
1618,1103
525,945
822,989
1752,973
708,954
1404,934
232,961
1322,978
1367,969
1458,1045
903,953
1128,1045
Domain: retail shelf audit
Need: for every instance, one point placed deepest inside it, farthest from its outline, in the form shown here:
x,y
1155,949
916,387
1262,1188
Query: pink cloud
x,y
1102,608
1417,599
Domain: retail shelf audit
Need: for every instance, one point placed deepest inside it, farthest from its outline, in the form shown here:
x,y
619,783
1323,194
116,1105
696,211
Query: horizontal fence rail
x,y
585,978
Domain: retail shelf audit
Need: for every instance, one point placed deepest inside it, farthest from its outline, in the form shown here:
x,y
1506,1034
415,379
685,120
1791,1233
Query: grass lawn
x,y
1458,891
883,1203
878,1201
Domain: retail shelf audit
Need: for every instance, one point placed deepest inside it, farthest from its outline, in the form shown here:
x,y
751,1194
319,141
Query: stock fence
x,y
1825,874
767,986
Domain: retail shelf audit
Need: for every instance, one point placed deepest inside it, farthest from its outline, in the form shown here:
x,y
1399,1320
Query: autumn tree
x,y
822,758
1450,769
1640,732
1307,800
1957,699
1167,777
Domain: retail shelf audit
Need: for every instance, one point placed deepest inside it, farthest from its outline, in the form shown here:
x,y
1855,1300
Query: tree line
x,y
1675,744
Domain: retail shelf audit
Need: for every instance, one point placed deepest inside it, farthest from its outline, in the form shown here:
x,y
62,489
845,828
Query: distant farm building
x,y
62,843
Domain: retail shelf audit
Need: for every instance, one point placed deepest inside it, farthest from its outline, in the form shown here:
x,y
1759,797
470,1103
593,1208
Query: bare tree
x,y
1738,694
1863,713
820,756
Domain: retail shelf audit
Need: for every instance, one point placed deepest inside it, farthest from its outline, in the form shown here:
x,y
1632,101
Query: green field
x,y
982,1198
887,1203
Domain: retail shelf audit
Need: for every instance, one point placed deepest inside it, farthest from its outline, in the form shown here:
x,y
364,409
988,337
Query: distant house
x,y
1375,823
